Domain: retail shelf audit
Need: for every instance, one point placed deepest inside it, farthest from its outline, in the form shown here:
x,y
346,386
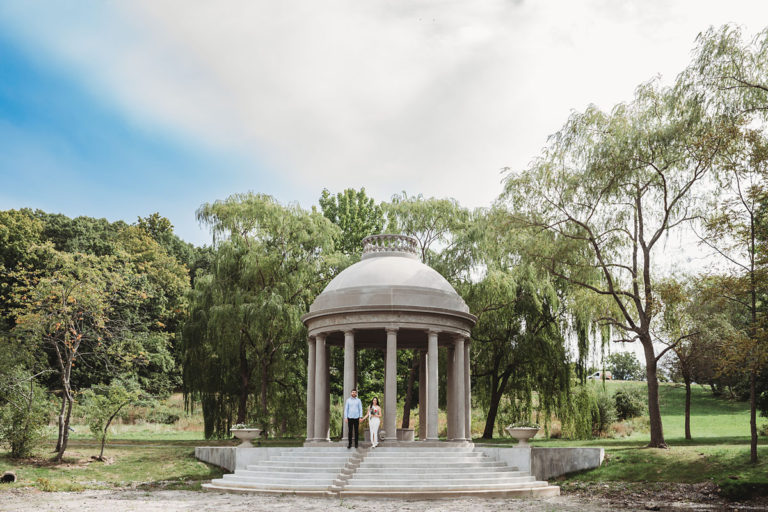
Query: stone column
x,y
390,386
321,389
311,390
349,375
432,386
422,395
460,399
467,391
450,393
327,395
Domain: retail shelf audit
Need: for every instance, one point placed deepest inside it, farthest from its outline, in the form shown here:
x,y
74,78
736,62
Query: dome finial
x,y
390,245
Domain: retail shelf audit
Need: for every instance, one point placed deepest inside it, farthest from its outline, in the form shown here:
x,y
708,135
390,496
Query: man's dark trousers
x,y
353,424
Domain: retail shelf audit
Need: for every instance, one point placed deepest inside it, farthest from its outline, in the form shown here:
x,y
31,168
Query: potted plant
x,y
246,433
523,431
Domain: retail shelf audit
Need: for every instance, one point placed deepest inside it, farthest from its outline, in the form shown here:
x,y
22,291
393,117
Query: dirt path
x,y
28,500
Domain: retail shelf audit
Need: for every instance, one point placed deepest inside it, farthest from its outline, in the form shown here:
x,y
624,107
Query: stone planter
x,y
246,435
405,434
522,434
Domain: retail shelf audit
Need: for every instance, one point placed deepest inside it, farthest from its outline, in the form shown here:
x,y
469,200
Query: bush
x,y
588,414
763,429
163,416
24,415
604,415
630,403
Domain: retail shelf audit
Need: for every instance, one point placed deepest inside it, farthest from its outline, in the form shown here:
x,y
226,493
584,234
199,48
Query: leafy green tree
x,y
245,331
356,214
624,366
103,403
64,313
605,191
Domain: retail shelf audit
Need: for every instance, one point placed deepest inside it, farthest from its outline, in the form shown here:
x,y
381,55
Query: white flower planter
x,y
522,434
246,435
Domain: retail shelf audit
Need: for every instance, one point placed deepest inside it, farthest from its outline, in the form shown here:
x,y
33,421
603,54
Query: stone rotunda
x,y
389,300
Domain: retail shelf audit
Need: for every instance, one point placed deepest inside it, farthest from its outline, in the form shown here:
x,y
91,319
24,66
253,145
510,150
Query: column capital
x,y
391,330
320,336
433,331
349,332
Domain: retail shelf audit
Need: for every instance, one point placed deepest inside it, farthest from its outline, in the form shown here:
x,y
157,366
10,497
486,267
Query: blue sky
x,y
120,109
64,149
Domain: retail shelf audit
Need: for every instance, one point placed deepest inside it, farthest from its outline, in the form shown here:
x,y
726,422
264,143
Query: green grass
x,y
128,465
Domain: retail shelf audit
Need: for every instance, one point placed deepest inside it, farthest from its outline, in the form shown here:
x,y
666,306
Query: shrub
x,y
630,403
163,416
24,415
763,429
603,415
588,414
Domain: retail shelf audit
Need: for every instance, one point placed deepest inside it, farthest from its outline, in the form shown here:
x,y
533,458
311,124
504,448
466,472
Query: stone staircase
x,y
410,470
308,470
439,471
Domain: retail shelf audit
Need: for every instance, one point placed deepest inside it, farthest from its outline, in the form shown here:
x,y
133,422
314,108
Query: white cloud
x,y
427,96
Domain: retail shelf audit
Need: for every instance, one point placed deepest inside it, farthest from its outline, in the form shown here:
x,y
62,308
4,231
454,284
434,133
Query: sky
x,y
124,108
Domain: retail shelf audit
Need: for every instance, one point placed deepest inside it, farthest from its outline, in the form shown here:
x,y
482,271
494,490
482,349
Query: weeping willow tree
x,y
244,345
519,354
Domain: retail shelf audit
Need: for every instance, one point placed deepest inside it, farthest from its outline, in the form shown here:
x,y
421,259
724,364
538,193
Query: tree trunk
x,y
654,411
687,407
409,392
65,436
493,410
752,418
245,379
263,396
60,439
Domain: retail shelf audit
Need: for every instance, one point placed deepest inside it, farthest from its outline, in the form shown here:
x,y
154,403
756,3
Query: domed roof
x,y
389,276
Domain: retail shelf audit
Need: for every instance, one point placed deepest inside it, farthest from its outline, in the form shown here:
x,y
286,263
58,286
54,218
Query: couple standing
x,y
353,415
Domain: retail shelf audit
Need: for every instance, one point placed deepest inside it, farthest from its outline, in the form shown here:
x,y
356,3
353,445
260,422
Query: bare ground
x,y
592,497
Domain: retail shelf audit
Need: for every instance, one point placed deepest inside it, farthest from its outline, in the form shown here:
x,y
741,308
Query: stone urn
x,y
522,434
246,435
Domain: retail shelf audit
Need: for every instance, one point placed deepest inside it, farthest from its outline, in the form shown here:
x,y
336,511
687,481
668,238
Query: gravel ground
x,y
28,500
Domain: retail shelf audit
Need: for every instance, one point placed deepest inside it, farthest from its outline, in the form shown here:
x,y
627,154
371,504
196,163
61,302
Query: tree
x,y
103,403
245,329
64,312
732,74
693,323
604,192
356,214
624,366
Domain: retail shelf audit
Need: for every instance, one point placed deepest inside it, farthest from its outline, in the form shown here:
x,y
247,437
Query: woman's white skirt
x,y
373,424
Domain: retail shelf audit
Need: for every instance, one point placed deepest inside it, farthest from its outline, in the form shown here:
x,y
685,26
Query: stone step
x,y
421,464
428,460
443,487
291,469
420,482
417,448
383,477
523,492
277,482
424,454
249,473
222,485
416,472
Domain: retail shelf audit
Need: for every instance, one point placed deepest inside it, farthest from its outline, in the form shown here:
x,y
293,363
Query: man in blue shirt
x,y
353,411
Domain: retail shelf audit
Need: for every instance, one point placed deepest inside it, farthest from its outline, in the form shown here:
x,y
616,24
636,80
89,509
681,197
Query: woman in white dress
x,y
374,421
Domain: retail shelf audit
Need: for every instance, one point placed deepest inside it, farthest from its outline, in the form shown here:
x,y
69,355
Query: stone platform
x,y
399,470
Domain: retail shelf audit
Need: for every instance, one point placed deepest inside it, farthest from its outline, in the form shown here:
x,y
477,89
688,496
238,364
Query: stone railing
x,y
390,243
